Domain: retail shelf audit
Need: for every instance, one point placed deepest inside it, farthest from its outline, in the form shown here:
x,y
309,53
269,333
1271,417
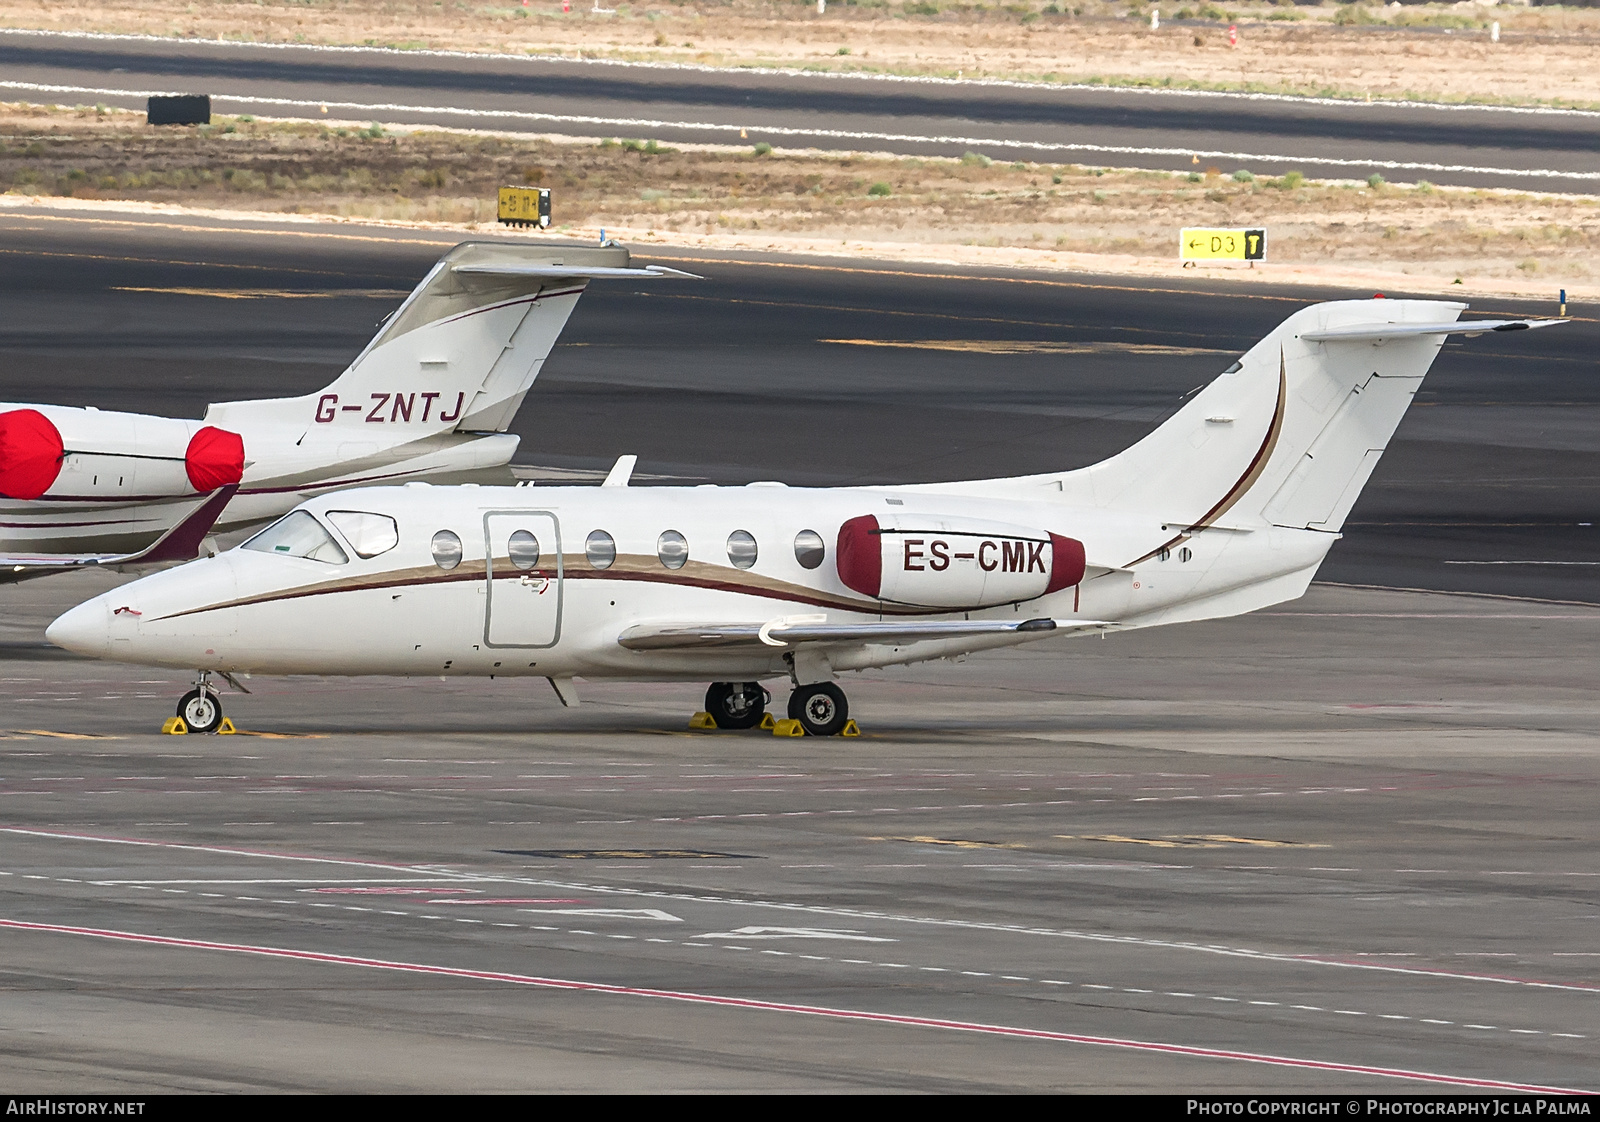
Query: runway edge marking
x,y
723,1001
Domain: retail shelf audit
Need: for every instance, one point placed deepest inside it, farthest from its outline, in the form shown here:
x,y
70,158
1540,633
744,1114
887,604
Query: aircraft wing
x,y
180,543
778,633
568,272
1373,331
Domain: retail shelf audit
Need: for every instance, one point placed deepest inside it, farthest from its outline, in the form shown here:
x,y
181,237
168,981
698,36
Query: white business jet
x,y
429,398
1227,507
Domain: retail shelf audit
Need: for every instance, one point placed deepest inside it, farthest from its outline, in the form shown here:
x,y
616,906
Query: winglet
x,y
182,542
620,472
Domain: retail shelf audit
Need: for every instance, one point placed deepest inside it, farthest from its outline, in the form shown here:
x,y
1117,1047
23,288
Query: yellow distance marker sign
x,y
1195,244
525,206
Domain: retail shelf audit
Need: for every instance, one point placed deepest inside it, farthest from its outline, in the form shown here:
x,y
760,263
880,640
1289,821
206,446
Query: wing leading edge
x,y
784,634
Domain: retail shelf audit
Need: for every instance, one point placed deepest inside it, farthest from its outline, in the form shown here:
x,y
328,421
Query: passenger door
x,y
522,562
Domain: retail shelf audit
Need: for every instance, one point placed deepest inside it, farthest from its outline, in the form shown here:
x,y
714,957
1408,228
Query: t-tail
x,y
432,394
1276,450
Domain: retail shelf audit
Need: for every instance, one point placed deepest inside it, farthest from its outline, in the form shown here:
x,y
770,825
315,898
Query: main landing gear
x,y
821,709
201,708
736,705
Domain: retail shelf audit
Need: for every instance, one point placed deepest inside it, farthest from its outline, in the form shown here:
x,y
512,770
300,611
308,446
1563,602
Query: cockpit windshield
x,y
297,534
368,534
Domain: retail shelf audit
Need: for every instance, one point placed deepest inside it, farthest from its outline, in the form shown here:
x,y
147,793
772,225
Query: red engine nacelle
x,y
52,452
933,561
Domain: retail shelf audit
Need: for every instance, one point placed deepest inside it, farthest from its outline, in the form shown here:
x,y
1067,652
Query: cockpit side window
x,y
368,534
297,534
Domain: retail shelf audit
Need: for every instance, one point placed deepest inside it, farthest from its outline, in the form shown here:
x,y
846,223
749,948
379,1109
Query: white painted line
x,y
647,123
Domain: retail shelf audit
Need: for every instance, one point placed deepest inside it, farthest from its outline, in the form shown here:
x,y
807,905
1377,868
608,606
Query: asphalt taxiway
x,y
1347,844
1344,845
1542,149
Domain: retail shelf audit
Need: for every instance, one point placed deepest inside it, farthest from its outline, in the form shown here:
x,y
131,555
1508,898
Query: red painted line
x,y
789,1007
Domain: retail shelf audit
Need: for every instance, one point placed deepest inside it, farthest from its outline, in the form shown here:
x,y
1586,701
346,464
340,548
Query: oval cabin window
x,y
742,549
673,549
446,549
600,549
809,549
523,549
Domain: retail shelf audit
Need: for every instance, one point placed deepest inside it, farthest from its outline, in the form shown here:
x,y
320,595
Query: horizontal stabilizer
x,y
1374,332
180,543
569,272
647,637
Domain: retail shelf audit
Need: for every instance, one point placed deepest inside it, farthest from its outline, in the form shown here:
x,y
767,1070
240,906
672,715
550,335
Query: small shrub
x,y
1375,181
1195,177
1424,187
1291,180
1018,165
880,190
373,131
762,148
976,159
1055,179
1531,265
1243,176
246,119
842,51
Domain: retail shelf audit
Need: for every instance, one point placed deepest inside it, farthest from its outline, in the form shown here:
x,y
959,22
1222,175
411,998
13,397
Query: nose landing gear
x,y
736,705
821,709
201,708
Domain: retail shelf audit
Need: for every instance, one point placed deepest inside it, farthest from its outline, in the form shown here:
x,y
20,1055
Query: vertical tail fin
x,y
459,355
1290,434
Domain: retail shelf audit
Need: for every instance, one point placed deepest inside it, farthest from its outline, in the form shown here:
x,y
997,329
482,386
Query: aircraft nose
x,y
84,630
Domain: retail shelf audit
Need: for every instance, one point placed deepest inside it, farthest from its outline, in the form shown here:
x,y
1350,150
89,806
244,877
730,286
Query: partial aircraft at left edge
x,y
429,398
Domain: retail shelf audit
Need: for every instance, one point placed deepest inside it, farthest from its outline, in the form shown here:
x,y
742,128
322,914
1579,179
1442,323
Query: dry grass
x,y
687,196
1433,51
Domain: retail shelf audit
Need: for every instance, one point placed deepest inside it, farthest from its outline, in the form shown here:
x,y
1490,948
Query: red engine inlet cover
x,y
30,454
215,458
860,555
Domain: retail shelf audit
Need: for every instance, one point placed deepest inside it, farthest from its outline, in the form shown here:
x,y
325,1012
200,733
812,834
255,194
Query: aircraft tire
x,y
201,710
736,705
821,709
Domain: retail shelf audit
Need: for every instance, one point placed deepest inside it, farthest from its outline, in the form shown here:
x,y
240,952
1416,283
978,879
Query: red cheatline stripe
x,y
787,1007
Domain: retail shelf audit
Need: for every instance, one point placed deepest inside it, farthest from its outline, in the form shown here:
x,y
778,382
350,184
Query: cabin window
x,y
298,534
600,550
808,549
741,549
523,549
368,534
673,549
446,549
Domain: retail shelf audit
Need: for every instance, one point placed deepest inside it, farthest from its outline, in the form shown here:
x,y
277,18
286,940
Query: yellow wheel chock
x,y
850,728
703,720
174,726
226,728
788,727
768,722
